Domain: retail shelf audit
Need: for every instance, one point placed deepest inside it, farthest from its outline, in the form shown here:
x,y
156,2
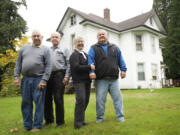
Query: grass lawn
x,y
146,113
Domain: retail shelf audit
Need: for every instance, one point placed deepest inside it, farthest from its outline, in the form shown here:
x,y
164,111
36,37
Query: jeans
x,y
102,88
30,92
82,100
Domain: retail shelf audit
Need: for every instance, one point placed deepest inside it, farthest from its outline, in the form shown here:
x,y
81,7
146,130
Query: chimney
x,y
107,14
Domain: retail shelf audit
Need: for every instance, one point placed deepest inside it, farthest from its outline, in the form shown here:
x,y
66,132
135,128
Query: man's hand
x,y
17,82
92,76
42,85
65,80
123,74
92,67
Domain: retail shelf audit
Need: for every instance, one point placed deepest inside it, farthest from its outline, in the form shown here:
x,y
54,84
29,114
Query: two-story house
x,y
138,39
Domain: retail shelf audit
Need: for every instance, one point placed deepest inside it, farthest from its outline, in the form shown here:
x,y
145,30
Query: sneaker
x,y
35,130
99,121
121,120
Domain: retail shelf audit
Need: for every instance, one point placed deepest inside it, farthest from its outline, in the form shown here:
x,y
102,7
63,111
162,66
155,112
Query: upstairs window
x,y
151,21
153,48
72,42
73,20
138,43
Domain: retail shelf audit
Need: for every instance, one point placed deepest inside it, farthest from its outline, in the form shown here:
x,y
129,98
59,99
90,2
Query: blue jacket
x,y
91,57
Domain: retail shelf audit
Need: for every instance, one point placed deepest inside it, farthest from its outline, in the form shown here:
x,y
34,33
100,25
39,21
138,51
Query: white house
x,y
138,39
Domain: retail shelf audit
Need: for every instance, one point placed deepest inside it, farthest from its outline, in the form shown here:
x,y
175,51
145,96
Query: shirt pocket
x,y
60,58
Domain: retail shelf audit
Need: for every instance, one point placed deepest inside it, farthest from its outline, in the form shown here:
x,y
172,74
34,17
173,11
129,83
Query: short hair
x,y
56,33
103,31
79,38
36,31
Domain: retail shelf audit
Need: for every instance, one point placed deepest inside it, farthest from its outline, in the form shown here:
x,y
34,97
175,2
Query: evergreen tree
x,y
172,48
12,25
169,14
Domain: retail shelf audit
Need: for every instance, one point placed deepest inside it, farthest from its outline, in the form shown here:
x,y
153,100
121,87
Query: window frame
x,y
73,20
154,77
153,45
73,41
144,75
139,44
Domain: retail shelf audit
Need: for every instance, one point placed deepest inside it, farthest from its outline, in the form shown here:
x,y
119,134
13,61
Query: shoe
x,y
77,127
84,124
47,124
35,130
26,129
59,125
121,120
99,121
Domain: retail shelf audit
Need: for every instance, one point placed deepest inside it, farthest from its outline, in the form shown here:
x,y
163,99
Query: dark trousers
x,y
55,89
82,100
31,92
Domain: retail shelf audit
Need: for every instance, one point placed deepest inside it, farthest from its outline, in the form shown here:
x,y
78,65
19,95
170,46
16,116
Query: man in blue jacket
x,y
107,59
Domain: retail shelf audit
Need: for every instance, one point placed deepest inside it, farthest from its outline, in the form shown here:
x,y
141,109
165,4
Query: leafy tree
x,y
12,25
7,64
169,13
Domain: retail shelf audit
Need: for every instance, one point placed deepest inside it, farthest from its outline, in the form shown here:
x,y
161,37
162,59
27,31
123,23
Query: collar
x,y
37,46
103,44
80,51
55,47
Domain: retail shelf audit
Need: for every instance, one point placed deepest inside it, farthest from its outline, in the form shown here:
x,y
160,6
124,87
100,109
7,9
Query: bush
x,y
8,87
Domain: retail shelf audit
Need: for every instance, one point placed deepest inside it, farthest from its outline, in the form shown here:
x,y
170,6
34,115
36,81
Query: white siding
x,y
127,43
68,30
154,25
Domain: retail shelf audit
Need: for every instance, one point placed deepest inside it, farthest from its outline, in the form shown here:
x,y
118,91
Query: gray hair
x,y
56,33
79,38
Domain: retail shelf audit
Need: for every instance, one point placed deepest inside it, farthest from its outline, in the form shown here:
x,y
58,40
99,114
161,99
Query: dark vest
x,y
106,66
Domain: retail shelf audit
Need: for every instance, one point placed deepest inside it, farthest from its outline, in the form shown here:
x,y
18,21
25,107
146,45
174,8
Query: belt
x,y
54,72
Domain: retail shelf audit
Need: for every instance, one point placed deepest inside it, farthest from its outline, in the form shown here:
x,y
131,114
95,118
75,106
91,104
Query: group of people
x,y
46,71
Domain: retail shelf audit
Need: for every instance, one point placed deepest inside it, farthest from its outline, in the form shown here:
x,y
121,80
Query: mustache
x,y
80,45
36,40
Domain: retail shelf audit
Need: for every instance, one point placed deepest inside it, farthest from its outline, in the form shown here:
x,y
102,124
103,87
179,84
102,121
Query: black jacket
x,y
79,67
106,66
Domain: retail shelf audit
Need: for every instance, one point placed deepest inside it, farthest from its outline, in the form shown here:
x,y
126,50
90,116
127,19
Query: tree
x,y
12,25
7,64
161,8
169,13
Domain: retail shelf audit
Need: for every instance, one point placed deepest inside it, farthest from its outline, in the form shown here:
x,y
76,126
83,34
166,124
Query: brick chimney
x,y
107,14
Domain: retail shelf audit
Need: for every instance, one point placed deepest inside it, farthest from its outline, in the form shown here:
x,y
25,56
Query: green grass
x,y
146,113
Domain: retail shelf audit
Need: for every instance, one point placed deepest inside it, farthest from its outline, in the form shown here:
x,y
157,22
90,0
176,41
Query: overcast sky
x,y
45,15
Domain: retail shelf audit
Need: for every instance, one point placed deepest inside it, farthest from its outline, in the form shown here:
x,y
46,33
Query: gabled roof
x,y
119,27
135,21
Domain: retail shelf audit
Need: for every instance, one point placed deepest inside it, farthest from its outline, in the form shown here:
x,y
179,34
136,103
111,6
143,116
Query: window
x,y
153,48
154,71
138,43
72,42
151,21
73,20
141,73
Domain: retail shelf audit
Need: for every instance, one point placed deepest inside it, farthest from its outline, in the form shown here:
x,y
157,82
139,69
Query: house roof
x,y
120,27
135,21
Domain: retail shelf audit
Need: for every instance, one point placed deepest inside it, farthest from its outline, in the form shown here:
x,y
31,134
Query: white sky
x,y
45,15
